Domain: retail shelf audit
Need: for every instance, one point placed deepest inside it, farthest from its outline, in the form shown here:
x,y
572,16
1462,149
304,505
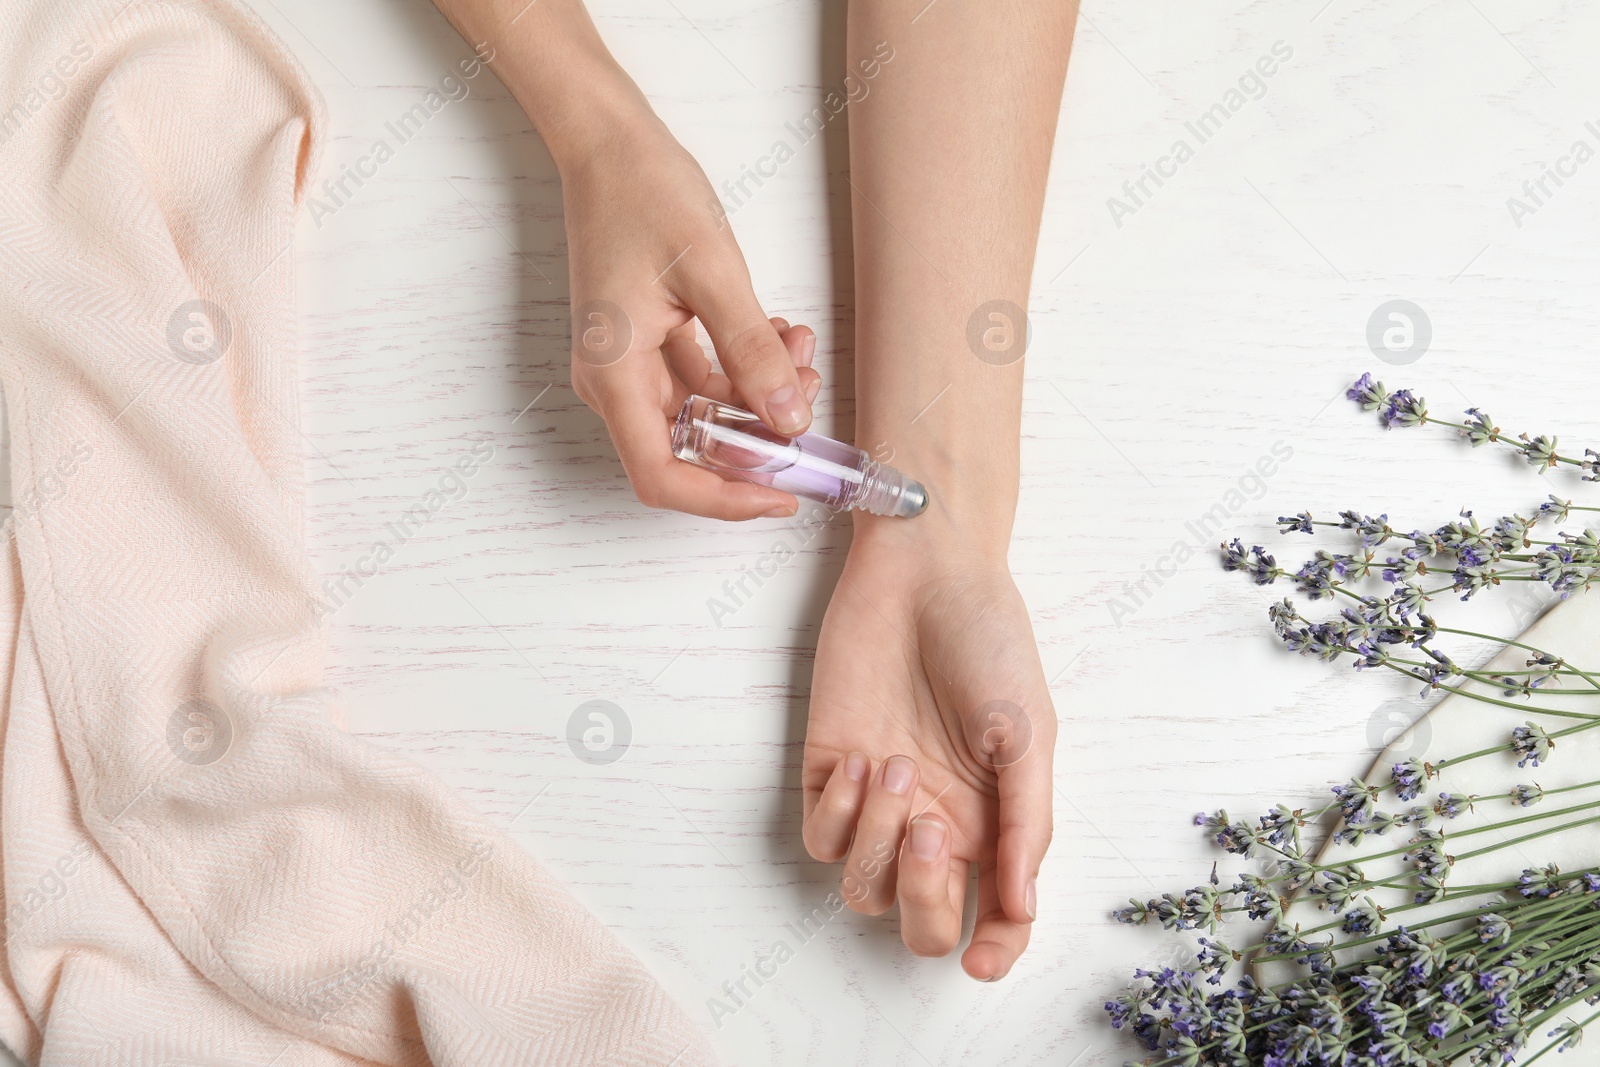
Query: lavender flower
x,y
1445,1018
1526,796
1135,914
1301,523
1338,887
1404,567
1360,922
1442,670
1281,827
1520,686
1540,451
1409,777
1314,578
1366,392
1429,862
1256,562
1425,631
1456,990
1356,800
1403,409
1571,1034
1234,837
1471,580
1282,615
1123,1008
1353,567
1532,743
1417,816
1214,958
1480,428
1556,509
1373,531
1431,890
1380,823
1493,929
1196,908
1540,881
1261,901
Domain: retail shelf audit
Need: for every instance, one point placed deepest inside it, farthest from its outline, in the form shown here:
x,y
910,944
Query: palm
x,y
937,664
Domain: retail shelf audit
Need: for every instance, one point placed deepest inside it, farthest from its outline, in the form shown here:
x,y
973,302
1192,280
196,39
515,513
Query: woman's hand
x,y
930,744
649,251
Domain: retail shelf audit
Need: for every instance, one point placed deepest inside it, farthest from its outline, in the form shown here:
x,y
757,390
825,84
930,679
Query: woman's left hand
x,y
930,746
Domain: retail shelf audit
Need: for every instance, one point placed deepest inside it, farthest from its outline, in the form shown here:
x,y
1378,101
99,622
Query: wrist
x,y
579,126
611,120
971,481
554,62
964,521
939,541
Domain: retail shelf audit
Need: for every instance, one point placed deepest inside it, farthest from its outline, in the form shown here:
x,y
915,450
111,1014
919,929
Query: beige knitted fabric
x,y
199,866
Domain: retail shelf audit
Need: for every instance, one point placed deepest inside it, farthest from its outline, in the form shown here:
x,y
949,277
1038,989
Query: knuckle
x,y
839,805
859,895
649,495
580,384
918,893
722,267
747,350
819,847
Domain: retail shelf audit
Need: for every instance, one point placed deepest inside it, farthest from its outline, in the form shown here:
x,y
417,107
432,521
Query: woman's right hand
x,y
649,251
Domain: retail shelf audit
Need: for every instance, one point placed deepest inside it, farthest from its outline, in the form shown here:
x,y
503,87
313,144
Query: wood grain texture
x,y
1171,350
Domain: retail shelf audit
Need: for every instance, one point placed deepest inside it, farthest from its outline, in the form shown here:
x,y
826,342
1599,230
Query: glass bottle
x,y
733,441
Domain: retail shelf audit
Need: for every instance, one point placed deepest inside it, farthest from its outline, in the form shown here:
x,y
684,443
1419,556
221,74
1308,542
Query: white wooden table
x,y
1175,344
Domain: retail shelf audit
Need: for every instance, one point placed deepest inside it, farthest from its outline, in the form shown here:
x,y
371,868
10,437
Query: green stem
x,y
1557,1044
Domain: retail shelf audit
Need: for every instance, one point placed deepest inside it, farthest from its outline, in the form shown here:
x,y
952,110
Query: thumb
x,y
753,356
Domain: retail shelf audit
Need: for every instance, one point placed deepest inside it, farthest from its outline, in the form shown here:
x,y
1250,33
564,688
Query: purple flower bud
x,y
1366,392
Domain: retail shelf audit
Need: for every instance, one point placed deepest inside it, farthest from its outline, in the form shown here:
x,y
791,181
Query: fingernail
x,y
897,774
779,323
991,978
812,390
787,411
808,348
1030,899
782,511
855,766
927,837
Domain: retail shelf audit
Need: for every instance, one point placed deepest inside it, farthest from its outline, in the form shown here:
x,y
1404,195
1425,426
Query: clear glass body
x,y
735,442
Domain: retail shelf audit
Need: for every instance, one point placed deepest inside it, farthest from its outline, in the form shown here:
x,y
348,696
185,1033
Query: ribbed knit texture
x,y
199,866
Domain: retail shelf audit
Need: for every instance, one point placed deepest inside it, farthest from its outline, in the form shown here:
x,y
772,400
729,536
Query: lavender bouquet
x,y
1412,937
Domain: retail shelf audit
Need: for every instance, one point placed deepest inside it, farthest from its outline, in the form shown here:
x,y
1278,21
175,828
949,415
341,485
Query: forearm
x,y
550,56
948,157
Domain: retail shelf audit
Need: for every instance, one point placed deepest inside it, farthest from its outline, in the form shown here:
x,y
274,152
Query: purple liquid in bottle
x,y
735,442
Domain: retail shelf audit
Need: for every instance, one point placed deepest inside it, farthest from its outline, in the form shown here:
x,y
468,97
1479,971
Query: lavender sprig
x,y
1403,408
1498,973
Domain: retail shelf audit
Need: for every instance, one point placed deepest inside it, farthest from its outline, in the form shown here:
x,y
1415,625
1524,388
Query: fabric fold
x,y
199,865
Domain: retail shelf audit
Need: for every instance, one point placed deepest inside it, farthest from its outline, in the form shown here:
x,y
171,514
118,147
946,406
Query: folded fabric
x,y
200,867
